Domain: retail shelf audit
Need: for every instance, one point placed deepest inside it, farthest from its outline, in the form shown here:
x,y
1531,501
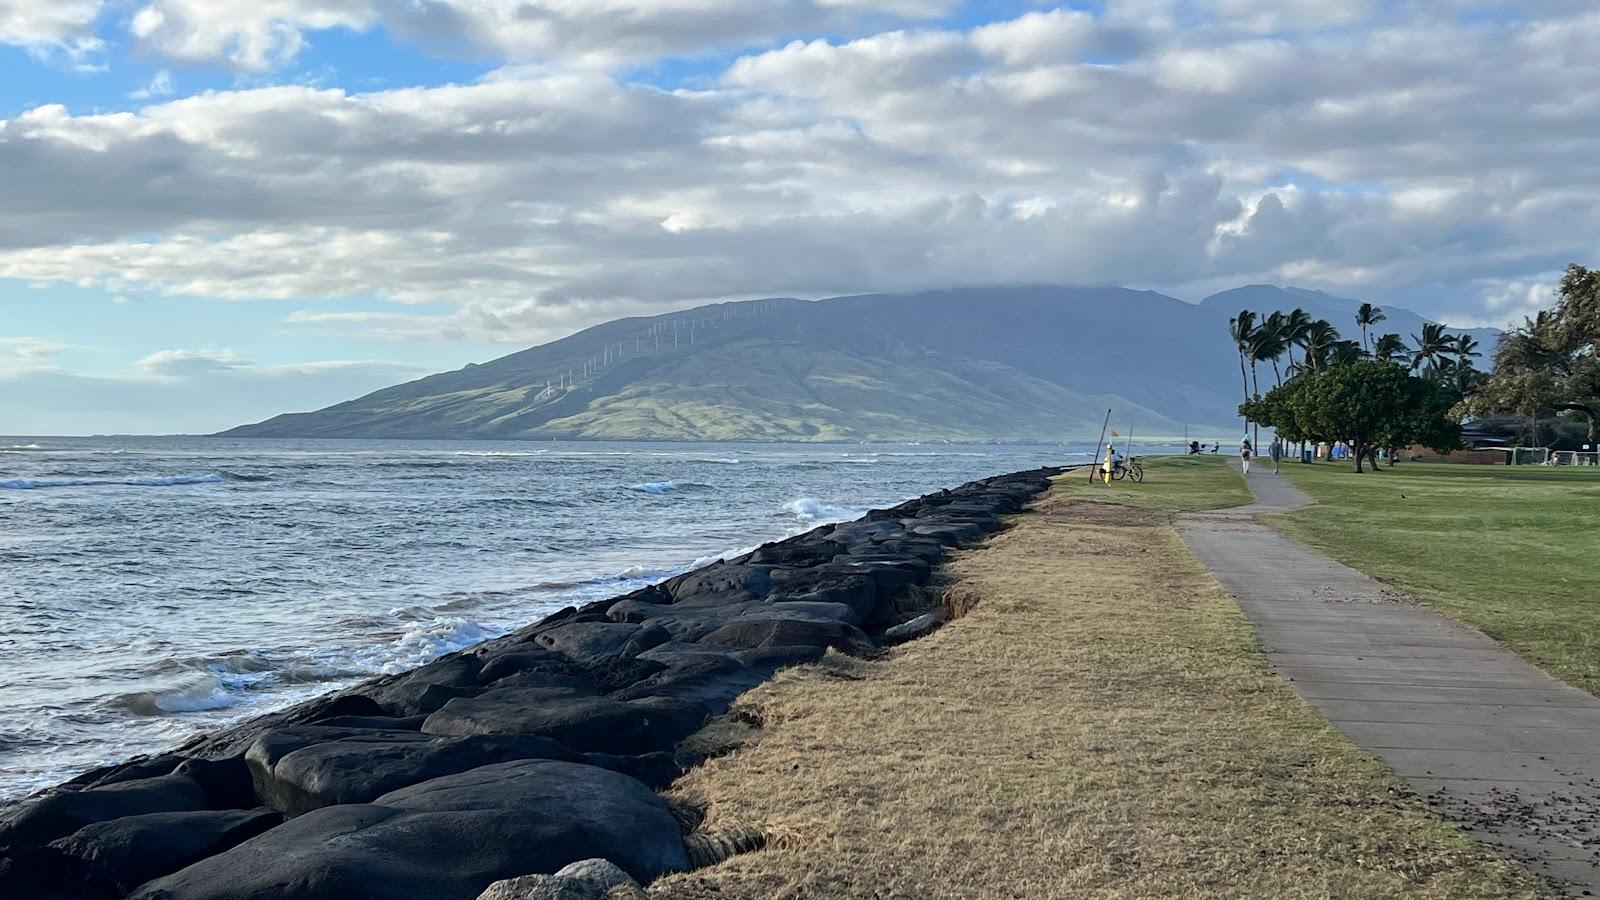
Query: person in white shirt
x,y
1245,452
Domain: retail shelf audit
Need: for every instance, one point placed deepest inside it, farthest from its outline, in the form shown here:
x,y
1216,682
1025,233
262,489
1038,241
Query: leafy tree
x,y
1366,317
1369,404
1550,362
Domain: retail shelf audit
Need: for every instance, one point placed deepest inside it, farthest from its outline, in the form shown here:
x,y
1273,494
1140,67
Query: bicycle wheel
x,y
1136,472
1117,472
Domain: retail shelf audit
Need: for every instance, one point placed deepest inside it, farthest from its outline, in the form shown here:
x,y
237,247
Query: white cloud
x,y
1412,156
43,25
254,35
17,353
160,85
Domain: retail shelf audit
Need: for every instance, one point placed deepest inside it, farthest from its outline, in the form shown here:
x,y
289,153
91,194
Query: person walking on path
x,y
1275,450
1245,452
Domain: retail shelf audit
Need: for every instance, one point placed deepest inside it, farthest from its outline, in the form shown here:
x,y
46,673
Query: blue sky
x,y
219,210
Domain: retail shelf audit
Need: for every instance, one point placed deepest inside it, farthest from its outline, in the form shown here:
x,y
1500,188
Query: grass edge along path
x,y
1101,724
1510,551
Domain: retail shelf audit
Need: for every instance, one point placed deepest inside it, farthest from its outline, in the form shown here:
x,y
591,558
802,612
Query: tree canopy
x,y
1550,362
1367,403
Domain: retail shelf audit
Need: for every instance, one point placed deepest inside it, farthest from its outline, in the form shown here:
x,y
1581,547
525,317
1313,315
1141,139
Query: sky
x,y
213,211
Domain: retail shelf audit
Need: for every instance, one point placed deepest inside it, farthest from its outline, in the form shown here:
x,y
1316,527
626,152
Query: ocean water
x,y
153,588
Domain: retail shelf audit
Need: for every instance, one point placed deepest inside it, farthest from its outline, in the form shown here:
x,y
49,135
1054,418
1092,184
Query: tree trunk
x,y
1245,379
1255,441
1359,451
1275,373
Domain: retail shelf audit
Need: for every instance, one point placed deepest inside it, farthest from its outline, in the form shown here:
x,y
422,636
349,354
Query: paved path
x,y
1490,740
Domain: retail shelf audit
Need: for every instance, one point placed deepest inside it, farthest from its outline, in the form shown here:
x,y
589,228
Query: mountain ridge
x,y
1039,363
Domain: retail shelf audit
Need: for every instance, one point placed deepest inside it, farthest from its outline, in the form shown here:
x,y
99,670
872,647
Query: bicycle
x,y
1131,469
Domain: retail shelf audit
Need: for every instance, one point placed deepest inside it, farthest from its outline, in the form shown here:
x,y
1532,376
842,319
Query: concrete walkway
x,y
1493,742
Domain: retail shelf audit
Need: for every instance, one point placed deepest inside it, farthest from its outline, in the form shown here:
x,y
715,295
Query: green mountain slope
x,y
1010,364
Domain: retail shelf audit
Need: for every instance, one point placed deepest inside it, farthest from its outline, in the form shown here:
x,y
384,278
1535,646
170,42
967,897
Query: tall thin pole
x,y
1103,426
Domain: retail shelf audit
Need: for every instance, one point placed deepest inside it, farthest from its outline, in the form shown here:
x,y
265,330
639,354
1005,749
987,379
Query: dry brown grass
x,y
1100,725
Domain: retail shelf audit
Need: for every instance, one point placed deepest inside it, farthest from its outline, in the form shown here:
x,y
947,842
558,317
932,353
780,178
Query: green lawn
x,y
1514,551
1171,483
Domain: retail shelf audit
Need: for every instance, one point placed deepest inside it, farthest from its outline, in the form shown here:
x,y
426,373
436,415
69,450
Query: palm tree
x,y
1320,338
1295,325
1242,329
1466,350
1270,342
1366,317
1341,352
1433,347
1390,348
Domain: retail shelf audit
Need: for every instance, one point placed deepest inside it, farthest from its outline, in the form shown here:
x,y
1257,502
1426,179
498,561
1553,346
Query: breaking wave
x,y
812,510
34,484
201,693
666,487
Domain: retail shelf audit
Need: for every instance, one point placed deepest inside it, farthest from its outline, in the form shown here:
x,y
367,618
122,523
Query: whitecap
x,y
812,510
30,484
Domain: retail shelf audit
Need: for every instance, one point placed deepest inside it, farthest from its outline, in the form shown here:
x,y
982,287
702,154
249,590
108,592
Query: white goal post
x,y
1575,458
1530,456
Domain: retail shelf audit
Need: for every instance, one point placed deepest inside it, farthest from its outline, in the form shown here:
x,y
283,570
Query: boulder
x,y
921,626
361,768
753,633
558,669
225,782
593,641
590,879
803,610
61,813
381,723
654,770
135,849
582,722
827,585
952,533
46,873
445,839
719,584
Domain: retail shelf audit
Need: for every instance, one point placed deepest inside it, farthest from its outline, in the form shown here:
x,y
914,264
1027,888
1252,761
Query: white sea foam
x,y
667,487
708,560
423,641
812,510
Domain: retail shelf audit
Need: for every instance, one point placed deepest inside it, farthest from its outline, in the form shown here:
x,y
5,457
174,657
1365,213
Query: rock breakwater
x,y
519,756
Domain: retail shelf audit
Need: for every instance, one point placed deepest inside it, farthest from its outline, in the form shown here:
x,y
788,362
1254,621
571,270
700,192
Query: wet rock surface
x,y
502,762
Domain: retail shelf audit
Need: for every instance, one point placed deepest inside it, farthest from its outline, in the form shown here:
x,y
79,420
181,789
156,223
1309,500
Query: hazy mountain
x,y
1011,364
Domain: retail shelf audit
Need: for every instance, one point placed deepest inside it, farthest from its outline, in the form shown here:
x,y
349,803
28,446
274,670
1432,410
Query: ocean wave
x,y
425,640
502,454
30,484
666,487
205,692
812,510
708,560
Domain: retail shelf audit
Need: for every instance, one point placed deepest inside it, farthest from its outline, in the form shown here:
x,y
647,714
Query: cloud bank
x,y
1443,154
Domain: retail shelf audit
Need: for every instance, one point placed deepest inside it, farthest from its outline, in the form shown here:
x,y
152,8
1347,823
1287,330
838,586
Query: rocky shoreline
x,y
513,759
